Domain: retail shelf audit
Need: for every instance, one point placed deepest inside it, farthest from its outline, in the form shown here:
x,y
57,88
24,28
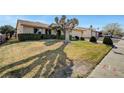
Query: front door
x,y
58,33
46,32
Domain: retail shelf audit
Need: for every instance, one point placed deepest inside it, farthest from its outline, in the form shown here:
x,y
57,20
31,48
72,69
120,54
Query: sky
x,y
98,21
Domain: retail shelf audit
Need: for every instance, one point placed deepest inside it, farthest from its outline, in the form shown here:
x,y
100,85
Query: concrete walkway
x,y
112,66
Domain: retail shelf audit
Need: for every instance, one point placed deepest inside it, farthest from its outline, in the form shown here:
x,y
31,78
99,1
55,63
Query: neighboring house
x,y
24,26
78,31
84,32
100,34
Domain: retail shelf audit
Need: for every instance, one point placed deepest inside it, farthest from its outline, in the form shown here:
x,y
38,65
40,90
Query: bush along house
x,y
28,30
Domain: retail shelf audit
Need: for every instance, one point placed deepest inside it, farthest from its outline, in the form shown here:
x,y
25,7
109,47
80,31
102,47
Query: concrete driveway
x,y
112,66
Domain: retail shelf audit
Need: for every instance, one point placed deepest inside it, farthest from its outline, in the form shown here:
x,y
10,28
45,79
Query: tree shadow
x,y
51,42
53,63
119,53
114,46
9,42
60,65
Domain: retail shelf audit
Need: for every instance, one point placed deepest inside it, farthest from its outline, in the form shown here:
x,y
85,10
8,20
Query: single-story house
x,y
84,32
24,26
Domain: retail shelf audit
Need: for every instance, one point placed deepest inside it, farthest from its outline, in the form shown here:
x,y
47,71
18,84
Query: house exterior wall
x,y
97,34
19,28
28,29
53,32
94,34
76,33
41,30
87,33
62,33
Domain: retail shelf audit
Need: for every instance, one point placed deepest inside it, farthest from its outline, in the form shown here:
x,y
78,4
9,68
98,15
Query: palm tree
x,y
66,26
91,29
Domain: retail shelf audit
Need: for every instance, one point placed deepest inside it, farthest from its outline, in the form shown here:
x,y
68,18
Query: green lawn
x,y
50,58
87,51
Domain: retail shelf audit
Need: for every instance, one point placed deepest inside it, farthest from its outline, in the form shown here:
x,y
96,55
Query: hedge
x,y
82,38
24,37
43,36
30,36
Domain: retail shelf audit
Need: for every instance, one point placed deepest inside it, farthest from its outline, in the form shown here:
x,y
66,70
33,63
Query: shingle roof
x,y
33,24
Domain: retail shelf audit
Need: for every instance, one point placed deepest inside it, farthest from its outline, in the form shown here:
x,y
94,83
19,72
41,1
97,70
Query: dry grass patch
x,y
50,58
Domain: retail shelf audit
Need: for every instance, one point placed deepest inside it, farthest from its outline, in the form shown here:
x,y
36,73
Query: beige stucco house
x,y
24,26
84,32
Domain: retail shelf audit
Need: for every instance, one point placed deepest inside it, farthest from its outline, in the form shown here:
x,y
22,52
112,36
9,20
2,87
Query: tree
x,y
7,29
91,29
113,29
66,26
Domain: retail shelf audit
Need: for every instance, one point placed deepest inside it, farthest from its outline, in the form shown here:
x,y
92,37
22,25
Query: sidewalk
x,y
112,66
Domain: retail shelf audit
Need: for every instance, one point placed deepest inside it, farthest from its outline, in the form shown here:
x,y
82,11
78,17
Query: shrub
x,y
73,38
43,36
82,38
70,37
30,36
27,36
76,37
62,37
53,36
93,39
107,40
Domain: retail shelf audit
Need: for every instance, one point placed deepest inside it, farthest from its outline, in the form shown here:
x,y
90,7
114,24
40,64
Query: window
x,y
35,30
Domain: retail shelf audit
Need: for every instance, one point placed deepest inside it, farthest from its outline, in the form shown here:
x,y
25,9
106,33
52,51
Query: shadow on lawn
x,y
51,42
53,63
10,42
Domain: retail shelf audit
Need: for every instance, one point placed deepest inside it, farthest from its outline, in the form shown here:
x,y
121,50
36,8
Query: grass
x,y
51,42
87,51
11,41
50,58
